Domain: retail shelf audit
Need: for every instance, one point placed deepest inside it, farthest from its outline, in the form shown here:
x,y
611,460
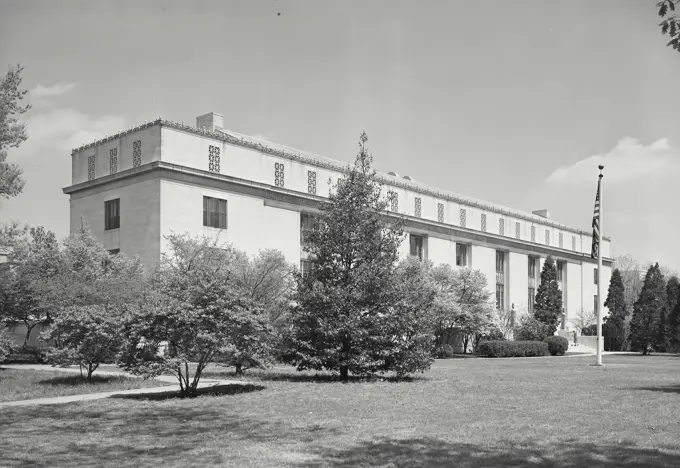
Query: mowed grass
x,y
30,384
539,412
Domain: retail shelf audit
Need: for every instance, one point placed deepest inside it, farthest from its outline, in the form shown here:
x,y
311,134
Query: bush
x,y
444,351
557,345
513,348
26,355
531,329
589,330
5,344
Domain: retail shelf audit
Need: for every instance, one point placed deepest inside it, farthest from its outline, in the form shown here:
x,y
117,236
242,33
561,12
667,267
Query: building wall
x,y
441,251
519,282
251,225
139,232
484,259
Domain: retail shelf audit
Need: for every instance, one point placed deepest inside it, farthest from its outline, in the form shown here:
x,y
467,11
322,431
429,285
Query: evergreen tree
x,y
344,315
548,302
647,311
673,311
615,324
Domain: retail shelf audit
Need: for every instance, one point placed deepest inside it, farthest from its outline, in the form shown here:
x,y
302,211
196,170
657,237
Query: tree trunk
x,y
238,370
344,373
29,329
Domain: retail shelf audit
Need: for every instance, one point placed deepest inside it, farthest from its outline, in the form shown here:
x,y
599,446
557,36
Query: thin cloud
x,y
628,160
41,92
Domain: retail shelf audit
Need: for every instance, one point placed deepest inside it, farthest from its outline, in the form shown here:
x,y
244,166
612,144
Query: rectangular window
x,y
560,271
278,175
532,267
500,297
440,212
91,166
596,277
393,199
113,160
500,261
305,267
307,223
517,230
483,222
501,226
547,237
213,158
533,233
463,217
114,251
214,213
311,182
418,207
112,214
561,240
136,153
461,254
530,300
573,242
416,246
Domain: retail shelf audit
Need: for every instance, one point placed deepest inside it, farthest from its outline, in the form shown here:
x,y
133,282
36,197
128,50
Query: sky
x,y
511,102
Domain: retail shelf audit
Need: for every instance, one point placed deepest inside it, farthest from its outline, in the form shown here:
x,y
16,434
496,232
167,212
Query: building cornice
x,y
290,154
305,201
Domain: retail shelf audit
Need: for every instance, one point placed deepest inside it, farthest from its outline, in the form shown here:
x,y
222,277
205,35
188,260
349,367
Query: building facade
x,y
138,186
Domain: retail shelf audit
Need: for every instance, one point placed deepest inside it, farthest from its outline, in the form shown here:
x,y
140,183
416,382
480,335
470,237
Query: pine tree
x,y
342,318
647,311
614,324
673,311
548,302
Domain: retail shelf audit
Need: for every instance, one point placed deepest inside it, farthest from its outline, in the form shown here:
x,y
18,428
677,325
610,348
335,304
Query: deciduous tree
x,y
670,22
12,130
645,324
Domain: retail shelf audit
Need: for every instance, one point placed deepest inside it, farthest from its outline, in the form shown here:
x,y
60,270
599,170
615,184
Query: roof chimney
x,y
210,121
542,213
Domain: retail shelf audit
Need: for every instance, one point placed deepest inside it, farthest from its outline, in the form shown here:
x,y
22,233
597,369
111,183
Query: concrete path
x,y
98,396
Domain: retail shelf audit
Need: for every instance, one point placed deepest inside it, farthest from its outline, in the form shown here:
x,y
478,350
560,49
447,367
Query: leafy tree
x,y
585,320
614,327
532,329
11,234
548,302
5,344
463,305
194,304
33,263
673,313
670,23
12,131
645,324
341,320
88,336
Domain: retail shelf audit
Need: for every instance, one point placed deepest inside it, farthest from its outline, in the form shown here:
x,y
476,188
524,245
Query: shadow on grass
x,y
429,452
666,389
283,376
76,379
215,390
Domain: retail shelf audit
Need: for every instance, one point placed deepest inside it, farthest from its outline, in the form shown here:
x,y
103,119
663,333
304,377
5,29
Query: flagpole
x,y
600,302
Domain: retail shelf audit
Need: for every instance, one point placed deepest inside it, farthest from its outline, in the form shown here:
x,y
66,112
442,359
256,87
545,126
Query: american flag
x,y
595,252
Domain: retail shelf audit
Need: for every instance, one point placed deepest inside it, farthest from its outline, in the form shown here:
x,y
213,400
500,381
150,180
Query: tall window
x,y
500,261
214,212
416,246
560,271
500,296
501,226
112,214
311,182
533,233
213,158
561,240
500,279
530,300
278,175
573,242
418,207
463,217
136,153
547,237
307,223
596,277
461,254
393,198
305,267
440,212
113,160
517,230
91,161
484,222
532,267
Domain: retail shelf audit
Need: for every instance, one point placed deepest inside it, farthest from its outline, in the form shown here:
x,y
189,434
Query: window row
x,y
113,160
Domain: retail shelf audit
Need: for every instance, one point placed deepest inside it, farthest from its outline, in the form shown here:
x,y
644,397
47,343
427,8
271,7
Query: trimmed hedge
x,y
557,345
513,348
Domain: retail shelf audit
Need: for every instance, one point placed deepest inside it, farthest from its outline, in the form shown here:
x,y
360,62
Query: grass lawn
x,y
540,412
30,384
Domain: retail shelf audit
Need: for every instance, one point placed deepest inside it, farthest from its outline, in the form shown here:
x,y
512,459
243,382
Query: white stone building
x,y
137,186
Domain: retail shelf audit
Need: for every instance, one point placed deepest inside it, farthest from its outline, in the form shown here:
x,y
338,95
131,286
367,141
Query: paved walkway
x,y
204,383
